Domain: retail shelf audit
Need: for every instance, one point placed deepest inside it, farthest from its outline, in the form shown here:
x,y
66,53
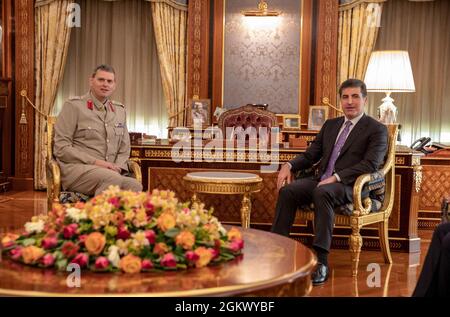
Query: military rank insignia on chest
x,y
90,104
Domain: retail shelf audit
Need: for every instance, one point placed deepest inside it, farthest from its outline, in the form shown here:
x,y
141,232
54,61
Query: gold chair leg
x,y
355,242
384,241
246,210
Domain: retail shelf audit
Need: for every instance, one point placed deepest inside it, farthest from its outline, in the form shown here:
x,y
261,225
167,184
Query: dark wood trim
x,y
306,45
19,183
24,73
326,49
217,74
6,78
198,48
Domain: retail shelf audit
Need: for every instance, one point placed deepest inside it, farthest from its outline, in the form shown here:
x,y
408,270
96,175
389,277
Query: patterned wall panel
x,y
435,186
262,56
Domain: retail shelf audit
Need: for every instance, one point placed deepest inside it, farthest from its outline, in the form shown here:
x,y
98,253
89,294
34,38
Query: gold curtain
x,y
170,33
358,29
52,42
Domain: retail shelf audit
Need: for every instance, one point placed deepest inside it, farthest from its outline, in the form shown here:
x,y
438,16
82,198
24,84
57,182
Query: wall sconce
x,y
262,11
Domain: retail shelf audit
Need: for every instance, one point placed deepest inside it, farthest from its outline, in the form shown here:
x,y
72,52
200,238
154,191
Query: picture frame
x,y
317,117
291,122
199,110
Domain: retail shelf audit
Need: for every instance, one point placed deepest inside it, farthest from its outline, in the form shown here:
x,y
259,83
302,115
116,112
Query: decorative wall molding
x,y
198,48
326,52
24,80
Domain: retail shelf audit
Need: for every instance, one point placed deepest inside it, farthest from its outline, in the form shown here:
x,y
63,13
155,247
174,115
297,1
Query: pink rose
x,y
191,256
81,259
16,253
149,208
168,260
82,238
70,230
215,253
49,242
101,263
150,235
147,264
236,245
48,260
123,233
69,249
115,201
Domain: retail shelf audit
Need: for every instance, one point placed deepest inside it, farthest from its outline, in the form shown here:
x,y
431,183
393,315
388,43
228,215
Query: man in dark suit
x,y
434,280
346,147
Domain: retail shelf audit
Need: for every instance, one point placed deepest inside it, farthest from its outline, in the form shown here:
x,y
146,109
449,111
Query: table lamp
x,y
389,71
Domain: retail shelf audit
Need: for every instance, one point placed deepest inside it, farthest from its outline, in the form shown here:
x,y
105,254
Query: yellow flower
x,y
95,242
141,218
130,264
234,234
185,239
166,221
129,215
31,254
204,256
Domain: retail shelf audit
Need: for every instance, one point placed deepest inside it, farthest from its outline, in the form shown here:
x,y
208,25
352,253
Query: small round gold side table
x,y
226,183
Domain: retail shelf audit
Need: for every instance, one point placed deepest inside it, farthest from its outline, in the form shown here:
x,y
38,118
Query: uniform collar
x,y
99,105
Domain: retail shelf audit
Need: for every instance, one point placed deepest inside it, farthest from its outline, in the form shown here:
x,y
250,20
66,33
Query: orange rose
x,y
160,248
204,256
130,264
185,239
95,242
234,234
9,239
31,254
166,221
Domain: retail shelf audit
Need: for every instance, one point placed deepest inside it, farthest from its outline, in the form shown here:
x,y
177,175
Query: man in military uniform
x,y
92,144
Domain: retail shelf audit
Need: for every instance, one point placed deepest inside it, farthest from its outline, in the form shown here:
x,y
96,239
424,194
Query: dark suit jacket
x,y
363,151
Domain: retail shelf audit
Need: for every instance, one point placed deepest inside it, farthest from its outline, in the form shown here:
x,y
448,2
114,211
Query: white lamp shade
x,y
389,71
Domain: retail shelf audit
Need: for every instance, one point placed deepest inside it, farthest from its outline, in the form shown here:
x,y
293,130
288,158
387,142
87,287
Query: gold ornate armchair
x,y
370,210
53,173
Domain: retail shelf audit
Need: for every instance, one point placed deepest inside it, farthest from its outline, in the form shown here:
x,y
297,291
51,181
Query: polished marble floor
x,y
375,278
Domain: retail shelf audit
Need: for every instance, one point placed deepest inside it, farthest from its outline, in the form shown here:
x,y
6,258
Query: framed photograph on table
x,y
199,112
317,117
291,122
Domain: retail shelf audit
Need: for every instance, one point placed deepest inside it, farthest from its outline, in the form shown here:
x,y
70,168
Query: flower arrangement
x,y
125,231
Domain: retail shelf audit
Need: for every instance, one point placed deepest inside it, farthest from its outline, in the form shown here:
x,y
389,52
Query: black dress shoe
x,y
320,275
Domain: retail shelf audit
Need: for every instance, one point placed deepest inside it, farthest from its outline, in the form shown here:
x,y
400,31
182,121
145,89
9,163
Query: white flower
x,y
76,214
113,255
35,226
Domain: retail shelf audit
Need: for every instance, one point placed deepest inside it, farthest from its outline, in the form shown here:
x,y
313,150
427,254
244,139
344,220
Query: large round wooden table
x,y
271,265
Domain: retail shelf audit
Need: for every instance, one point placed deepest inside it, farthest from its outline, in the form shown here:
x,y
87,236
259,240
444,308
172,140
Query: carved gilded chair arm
x,y
361,207
135,168
54,178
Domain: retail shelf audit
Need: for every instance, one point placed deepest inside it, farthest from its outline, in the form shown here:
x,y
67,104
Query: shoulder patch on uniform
x,y
117,103
75,98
